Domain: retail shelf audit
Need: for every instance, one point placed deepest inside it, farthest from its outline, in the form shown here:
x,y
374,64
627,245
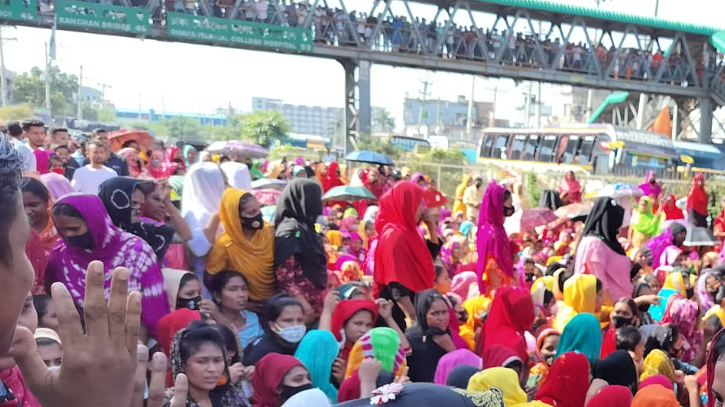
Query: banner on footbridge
x,y
103,17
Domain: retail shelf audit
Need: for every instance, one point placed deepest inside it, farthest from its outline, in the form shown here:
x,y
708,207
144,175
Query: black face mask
x,y
478,186
178,160
713,293
193,304
621,321
256,222
690,292
652,181
508,211
289,391
84,241
462,316
643,307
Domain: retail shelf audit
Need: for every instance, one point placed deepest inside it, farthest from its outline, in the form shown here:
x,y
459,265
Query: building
x,y
92,96
311,120
9,77
436,117
151,115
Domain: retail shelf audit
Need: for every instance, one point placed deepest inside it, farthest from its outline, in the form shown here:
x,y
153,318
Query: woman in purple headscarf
x,y
651,188
88,234
495,263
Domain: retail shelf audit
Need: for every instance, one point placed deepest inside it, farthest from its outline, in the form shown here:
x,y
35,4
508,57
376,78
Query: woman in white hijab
x,y
237,175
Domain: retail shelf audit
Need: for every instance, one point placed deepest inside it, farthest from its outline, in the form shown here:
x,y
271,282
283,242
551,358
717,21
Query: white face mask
x,y
292,334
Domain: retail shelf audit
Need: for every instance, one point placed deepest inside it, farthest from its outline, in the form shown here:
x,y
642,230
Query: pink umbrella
x,y
267,196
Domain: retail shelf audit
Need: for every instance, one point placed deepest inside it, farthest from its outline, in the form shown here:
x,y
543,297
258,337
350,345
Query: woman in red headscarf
x,y
278,377
373,181
403,260
567,383
570,190
350,321
671,211
332,179
697,201
511,315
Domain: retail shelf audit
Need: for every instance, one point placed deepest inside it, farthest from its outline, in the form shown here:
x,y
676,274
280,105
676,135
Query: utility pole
x,y
424,93
469,116
79,114
47,81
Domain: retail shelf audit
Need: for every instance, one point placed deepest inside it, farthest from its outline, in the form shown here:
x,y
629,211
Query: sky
x,y
182,77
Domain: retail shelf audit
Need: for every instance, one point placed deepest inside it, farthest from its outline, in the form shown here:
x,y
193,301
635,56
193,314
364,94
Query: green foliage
x,y
16,112
184,128
261,128
89,112
292,152
532,187
29,88
445,156
106,115
382,145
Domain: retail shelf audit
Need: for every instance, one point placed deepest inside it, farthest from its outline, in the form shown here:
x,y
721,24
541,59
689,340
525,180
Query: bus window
x,y
547,148
487,144
572,145
517,147
530,150
500,148
585,151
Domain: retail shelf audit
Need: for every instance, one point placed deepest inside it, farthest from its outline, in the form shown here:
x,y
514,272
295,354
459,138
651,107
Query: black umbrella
x,y
700,236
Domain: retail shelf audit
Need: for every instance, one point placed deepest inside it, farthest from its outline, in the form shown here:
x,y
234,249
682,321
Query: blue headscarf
x,y
465,227
317,351
186,150
582,334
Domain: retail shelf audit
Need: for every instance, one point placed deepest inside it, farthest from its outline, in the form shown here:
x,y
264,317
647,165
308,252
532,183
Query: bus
x,y
594,148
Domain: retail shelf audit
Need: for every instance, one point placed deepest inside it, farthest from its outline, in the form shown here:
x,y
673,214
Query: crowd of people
x,y
397,33
110,257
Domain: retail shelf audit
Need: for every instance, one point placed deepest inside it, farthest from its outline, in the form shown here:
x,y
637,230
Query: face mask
x,y
713,293
508,211
462,316
155,163
652,181
292,334
178,160
478,186
256,222
643,307
190,303
621,321
59,171
84,241
690,292
289,391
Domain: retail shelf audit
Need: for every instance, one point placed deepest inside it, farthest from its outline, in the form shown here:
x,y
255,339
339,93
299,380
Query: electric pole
x,y
47,81
424,94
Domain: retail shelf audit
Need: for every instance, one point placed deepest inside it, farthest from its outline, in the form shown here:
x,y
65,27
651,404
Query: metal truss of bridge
x,y
533,40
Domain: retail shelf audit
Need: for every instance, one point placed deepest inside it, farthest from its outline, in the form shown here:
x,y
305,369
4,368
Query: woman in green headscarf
x,y
582,334
644,224
318,351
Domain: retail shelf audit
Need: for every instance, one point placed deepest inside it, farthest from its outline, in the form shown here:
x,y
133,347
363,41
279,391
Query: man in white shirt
x,y
88,178
34,132
15,131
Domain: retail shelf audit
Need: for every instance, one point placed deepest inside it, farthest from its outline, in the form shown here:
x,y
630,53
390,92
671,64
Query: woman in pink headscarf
x,y
135,169
158,168
570,190
651,188
495,264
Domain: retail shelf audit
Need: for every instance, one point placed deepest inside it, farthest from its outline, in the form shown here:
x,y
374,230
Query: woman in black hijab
x,y
300,260
123,198
431,338
599,252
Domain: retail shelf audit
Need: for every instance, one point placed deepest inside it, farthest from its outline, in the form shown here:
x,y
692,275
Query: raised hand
x,y
99,367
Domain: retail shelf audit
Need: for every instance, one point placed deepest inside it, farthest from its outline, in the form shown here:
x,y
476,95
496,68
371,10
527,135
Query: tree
x,y
30,88
262,127
17,112
383,120
184,128
106,115
382,145
89,113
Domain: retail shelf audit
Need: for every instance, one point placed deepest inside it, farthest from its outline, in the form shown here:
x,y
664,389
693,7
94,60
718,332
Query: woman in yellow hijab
x,y
460,189
334,237
580,295
658,362
504,379
247,245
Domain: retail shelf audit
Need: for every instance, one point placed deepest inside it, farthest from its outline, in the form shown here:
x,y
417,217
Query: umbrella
x,y
346,193
619,189
268,213
699,236
142,137
528,219
238,148
267,196
572,210
369,157
266,183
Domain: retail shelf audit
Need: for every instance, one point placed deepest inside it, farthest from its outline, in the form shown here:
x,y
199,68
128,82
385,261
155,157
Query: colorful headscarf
x,y
655,396
452,359
502,378
646,222
567,382
114,248
492,239
268,374
382,344
612,395
658,362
